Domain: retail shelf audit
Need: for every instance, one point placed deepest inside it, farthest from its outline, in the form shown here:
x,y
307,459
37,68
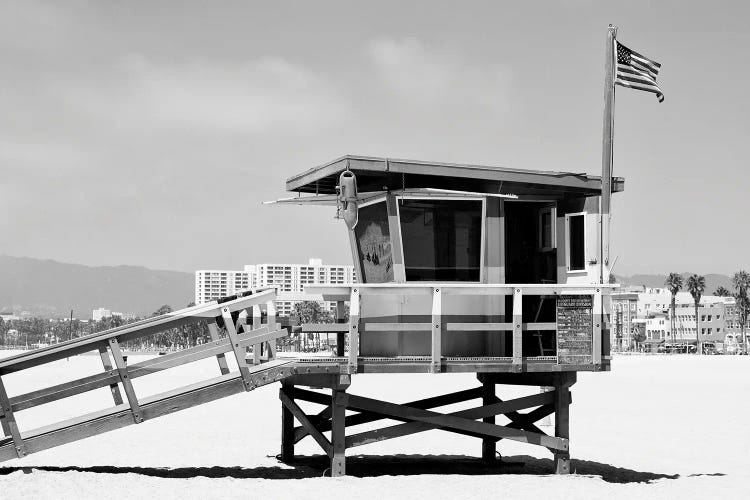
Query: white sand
x,y
655,427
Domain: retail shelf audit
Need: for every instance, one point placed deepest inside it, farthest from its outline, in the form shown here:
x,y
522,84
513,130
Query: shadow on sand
x,y
374,466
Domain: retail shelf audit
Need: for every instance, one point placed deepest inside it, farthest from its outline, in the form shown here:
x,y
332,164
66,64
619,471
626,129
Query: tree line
x,y
28,332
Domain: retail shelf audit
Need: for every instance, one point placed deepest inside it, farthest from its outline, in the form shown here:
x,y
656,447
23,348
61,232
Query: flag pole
x,y
609,104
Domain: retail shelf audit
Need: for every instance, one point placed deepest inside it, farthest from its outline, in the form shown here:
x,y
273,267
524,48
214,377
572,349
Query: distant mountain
x,y
713,281
51,289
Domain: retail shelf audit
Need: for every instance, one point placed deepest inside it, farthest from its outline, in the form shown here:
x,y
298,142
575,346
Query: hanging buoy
x,y
348,198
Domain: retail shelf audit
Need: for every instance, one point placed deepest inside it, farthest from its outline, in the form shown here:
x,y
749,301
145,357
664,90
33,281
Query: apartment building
x,y
213,284
288,279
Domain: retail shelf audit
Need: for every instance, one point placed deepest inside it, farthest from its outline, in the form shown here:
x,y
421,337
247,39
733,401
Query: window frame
x,y
552,210
567,243
483,226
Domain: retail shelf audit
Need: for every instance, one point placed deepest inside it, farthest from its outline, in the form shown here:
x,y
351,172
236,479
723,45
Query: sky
x,y
149,133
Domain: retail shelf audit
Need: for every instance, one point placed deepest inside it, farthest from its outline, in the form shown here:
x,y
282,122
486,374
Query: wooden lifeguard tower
x,y
461,268
494,271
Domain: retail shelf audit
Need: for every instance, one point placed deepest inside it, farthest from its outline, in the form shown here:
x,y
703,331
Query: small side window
x,y
576,241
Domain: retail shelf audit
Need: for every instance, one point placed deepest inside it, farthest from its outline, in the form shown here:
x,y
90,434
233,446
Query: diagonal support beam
x,y
127,384
107,363
503,407
303,419
367,417
463,424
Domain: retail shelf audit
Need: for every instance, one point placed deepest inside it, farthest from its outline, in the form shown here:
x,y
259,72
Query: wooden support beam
x,y
489,448
239,352
9,425
303,419
437,333
354,330
367,417
338,432
287,432
562,420
127,384
461,424
213,329
107,363
413,427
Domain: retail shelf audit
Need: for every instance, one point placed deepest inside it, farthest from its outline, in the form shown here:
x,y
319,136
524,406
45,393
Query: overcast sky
x,y
148,133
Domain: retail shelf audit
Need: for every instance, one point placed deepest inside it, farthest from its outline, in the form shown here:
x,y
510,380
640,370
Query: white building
x,y
100,314
288,279
214,284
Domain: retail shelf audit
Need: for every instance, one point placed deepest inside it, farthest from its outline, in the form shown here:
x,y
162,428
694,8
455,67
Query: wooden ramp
x,y
240,318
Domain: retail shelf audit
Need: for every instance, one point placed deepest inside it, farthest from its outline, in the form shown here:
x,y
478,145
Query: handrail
x,y
130,331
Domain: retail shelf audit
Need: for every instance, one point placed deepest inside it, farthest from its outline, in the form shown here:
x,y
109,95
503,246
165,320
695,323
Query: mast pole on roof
x,y
609,105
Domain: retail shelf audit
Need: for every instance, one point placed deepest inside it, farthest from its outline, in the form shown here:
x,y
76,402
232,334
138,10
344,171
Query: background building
x,y
288,279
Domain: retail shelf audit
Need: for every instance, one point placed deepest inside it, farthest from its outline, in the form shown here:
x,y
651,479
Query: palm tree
x,y
674,285
722,292
696,285
741,282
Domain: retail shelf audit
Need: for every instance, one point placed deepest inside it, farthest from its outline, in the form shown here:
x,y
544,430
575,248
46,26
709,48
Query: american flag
x,y
636,71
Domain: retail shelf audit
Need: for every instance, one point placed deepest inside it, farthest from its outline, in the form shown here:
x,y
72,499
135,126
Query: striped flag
x,y
636,71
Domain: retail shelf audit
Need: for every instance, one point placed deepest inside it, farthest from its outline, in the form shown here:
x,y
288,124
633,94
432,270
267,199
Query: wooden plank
x,y
397,327
107,363
305,421
461,421
8,419
239,351
324,327
517,328
127,384
478,327
213,329
354,312
437,334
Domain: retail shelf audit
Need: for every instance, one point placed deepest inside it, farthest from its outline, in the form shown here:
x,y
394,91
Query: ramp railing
x,y
239,317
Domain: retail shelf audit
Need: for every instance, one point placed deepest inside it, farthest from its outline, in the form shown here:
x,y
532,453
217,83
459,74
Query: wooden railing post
x,y
257,318
213,329
271,322
353,330
340,336
239,352
107,363
598,317
127,384
517,328
437,319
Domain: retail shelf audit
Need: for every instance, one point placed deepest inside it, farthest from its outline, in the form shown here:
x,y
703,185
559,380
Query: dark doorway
x,y
531,258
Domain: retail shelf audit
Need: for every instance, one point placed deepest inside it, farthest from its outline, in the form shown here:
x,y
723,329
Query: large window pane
x,y
442,239
374,244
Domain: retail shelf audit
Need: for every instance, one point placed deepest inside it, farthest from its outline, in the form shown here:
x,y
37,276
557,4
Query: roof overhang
x,y
385,174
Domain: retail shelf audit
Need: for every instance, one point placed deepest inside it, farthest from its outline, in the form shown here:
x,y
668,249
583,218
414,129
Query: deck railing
x,y
354,294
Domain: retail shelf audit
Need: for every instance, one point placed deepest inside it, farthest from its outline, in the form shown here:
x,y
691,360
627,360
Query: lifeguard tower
x,y
461,268
494,271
